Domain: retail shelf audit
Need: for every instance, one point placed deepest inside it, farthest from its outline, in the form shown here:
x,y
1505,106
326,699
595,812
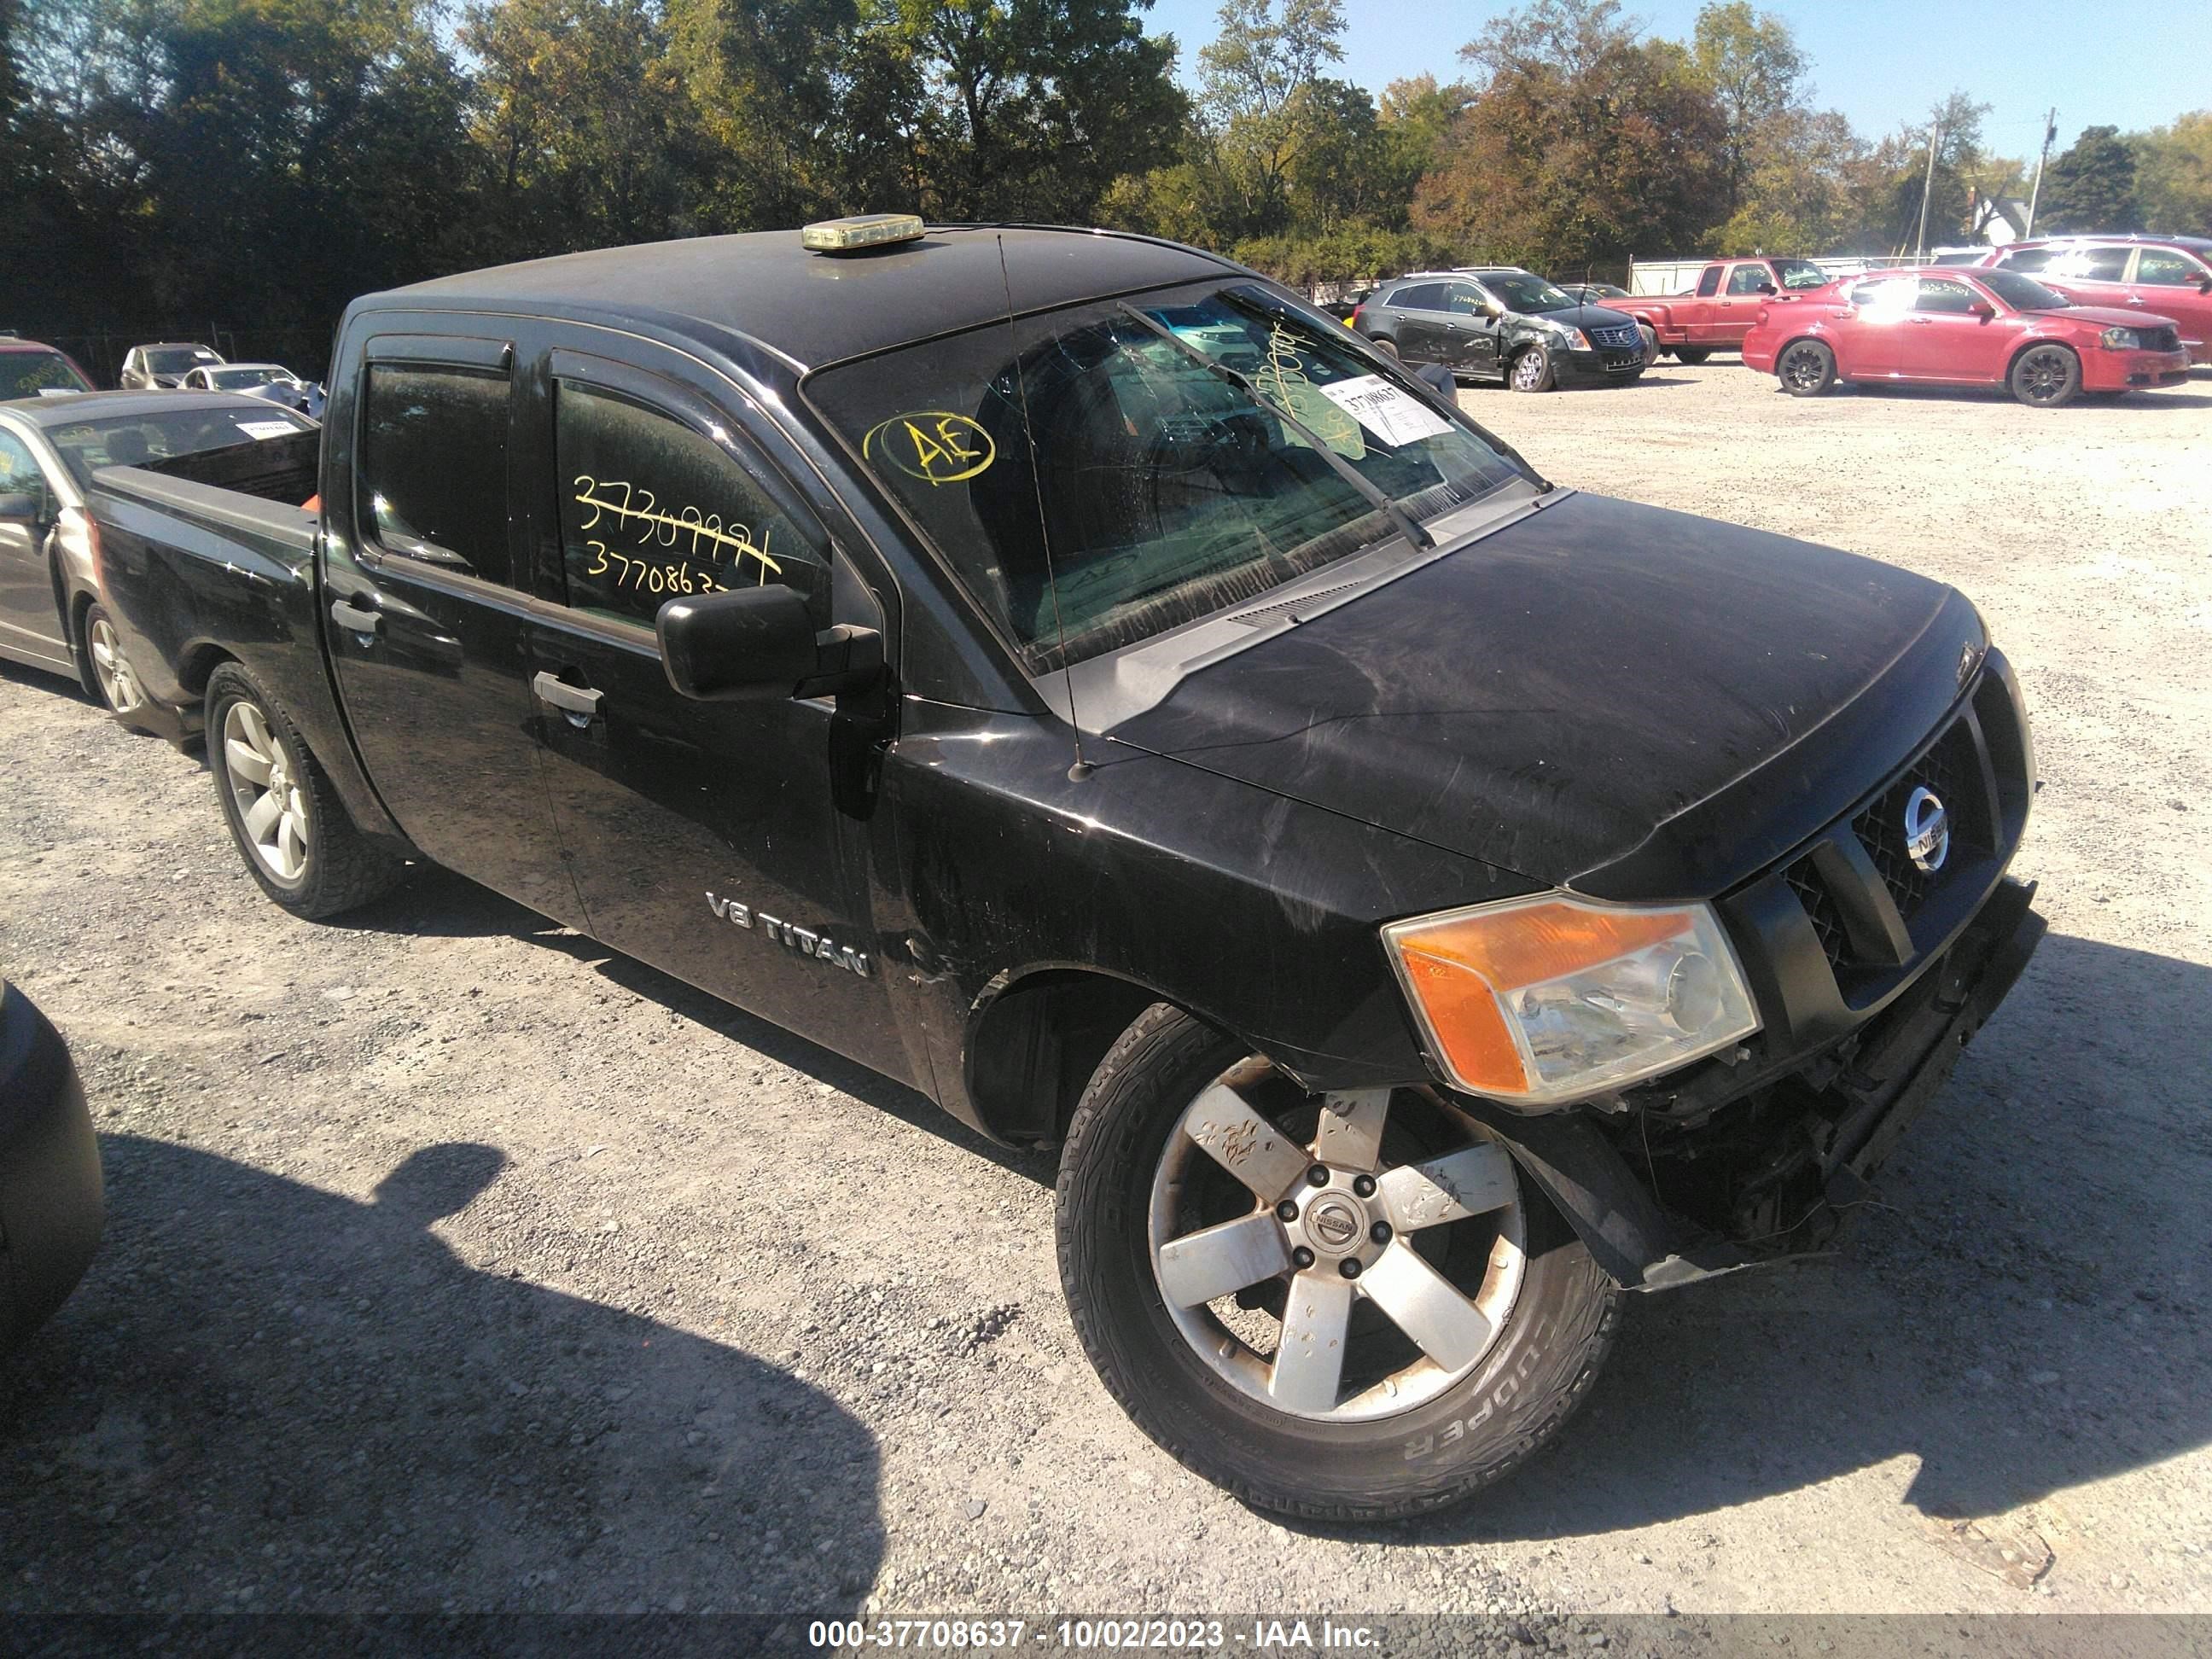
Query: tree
x,y
1751,62
1582,144
2092,185
1256,99
2173,176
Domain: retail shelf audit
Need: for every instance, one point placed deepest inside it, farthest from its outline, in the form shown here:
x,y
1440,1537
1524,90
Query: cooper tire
x,y
1806,368
1692,355
1361,1458
289,825
2046,376
1531,370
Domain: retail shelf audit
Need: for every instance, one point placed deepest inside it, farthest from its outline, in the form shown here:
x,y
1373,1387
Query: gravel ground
x,y
454,1263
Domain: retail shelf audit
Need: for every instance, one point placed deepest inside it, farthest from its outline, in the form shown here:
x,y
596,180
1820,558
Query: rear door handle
x,y
349,616
579,703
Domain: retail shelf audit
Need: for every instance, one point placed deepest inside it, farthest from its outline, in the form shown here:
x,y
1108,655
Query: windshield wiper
x,y
1375,498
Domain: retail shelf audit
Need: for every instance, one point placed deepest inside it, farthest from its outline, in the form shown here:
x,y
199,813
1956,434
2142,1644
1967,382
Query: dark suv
x,y
1497,322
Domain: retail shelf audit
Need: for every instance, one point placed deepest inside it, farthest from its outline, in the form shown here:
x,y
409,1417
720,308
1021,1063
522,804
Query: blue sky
x,y
2128,64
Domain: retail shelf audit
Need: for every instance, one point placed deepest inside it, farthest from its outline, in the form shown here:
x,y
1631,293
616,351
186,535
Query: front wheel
x,y
1346,1306
2046,376
1531,370
282,809
1650,343
1692,355
112,673
1806,368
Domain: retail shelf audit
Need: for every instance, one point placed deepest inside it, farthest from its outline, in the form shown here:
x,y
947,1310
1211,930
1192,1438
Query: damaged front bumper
x,y
1770,1174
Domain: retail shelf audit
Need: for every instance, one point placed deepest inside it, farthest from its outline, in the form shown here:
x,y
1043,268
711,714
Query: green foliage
x,y
2173,176
2092,185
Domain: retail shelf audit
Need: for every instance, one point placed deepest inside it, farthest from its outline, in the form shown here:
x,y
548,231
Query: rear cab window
x,y
432,483
1162,488
1709,282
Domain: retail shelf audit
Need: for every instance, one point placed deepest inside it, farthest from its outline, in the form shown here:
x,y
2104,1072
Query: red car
x,y
1955,325
2170,275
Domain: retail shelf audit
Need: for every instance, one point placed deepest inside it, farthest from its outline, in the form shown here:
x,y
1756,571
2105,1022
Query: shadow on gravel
x,y
264,1397
2030,1309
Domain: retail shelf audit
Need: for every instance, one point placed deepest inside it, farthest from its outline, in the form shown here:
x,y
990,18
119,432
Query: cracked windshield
x,y
1188,454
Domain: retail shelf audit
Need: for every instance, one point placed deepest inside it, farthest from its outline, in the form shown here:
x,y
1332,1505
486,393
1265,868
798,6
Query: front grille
x,y
2160,339
1953,769
1622,334
1955,779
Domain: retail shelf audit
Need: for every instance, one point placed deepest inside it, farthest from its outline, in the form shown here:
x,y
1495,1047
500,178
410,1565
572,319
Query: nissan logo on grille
x,y
1927,830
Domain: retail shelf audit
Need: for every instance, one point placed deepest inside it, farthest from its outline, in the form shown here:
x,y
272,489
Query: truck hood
x,y
1635,702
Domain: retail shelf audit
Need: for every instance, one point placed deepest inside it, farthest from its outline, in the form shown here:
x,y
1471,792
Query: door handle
x,y
579,703
2137,300
349,616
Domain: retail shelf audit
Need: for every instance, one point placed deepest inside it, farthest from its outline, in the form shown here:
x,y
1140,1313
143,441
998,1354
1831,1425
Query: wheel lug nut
x,y
1318,1175
1364,1185
1287,1211
1302,1257
1349,1266
1380,1232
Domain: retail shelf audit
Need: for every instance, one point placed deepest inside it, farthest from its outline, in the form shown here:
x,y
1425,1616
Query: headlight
x,y
1573,337
2120,339
1551,999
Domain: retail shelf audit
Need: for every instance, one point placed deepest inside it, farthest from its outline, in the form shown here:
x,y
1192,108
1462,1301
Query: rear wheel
x,y
2044,376
1693,354
1531,370
1345,1306
1806,368
111,670
283,811
1386,345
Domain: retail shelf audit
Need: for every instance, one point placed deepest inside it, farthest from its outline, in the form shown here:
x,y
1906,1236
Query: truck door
x,y
1697,311
1736,308
426,574
706,839
2168,282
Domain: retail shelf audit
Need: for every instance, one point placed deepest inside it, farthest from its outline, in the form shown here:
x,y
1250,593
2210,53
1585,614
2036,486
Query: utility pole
x,y
1920,244
2050,132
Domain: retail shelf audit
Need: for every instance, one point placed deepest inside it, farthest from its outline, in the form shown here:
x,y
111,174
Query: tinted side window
x,y
1422,297
1464,298
433,483
2162,268
2093,265
1709,283
1942,294
1746,279
651,510
1883,293
2030,260
19,473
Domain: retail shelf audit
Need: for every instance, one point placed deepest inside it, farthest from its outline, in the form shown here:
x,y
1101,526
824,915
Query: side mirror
x,y
1493,306
1982,309
21,509
2204,284
757,644
1768,288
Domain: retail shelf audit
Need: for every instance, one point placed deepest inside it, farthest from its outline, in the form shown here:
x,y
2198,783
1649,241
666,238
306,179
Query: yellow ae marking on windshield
x,y
946,448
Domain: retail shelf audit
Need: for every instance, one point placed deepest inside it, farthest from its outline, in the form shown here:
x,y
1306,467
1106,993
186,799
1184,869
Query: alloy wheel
x,y
270,803
2043,374
1339,1263
1529,370
1801,368
119,684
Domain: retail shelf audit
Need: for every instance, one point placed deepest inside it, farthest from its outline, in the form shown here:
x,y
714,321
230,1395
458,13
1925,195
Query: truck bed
x,y
209,558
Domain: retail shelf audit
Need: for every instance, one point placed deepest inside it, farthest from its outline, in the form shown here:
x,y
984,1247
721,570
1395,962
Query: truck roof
x,y
818,308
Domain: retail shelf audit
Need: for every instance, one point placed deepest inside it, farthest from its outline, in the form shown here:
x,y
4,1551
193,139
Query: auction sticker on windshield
x,y
1392,416
267,429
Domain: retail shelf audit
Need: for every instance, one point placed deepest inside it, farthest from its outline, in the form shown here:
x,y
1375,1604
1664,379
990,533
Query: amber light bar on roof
x,y
862,230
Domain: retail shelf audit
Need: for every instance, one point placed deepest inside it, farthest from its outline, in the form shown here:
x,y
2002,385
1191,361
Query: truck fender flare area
x,y
1035,1036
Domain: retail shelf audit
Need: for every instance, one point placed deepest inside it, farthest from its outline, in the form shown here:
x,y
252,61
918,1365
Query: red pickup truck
x,y
1719,312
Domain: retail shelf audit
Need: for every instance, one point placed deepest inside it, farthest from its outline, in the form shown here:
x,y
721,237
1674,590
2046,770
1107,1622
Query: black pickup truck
x,y
1069,674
